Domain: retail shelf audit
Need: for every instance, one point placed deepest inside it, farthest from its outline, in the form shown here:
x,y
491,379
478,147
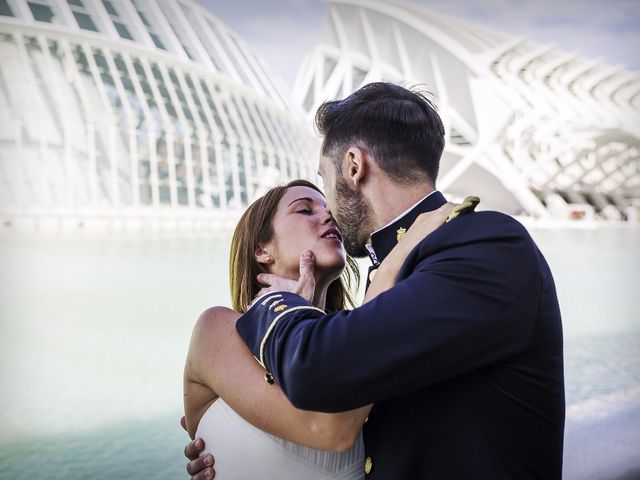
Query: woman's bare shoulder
x,y
213,319
212,314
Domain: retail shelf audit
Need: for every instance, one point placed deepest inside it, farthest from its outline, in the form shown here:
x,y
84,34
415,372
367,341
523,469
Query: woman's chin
x,y
330,268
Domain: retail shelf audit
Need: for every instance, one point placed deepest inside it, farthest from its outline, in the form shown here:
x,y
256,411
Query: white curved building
x,y
531,129
137,115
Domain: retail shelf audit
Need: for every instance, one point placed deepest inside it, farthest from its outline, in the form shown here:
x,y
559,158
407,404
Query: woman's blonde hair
x,y
255,228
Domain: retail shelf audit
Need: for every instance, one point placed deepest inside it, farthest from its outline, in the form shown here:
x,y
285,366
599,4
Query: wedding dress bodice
x,y
244,452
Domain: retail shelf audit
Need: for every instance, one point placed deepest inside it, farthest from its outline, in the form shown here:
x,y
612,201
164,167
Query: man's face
x,y
350,209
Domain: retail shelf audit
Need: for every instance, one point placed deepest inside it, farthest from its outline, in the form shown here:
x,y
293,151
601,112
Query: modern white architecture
x,y
533,130
137,115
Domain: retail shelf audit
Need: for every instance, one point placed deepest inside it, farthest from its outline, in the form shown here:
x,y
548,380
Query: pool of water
x,y
94,333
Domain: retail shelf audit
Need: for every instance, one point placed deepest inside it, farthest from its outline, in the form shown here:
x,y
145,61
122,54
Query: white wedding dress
x,y
244,452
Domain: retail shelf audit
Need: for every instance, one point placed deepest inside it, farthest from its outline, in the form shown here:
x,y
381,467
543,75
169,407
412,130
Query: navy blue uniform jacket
x,y
462,358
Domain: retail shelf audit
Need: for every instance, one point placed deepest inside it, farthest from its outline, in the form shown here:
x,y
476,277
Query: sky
x,y
284,31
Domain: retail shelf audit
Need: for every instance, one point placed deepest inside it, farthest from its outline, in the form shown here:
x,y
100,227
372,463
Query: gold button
x,y
372,274
368,465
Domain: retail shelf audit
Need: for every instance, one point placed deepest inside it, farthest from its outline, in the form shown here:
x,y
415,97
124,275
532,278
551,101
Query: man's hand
x,y
199,467
305,286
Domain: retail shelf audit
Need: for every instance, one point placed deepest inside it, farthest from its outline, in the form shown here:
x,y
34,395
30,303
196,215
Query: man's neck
x,y
395,200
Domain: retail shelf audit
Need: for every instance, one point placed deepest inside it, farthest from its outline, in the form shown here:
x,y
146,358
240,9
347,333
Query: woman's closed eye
x,y
305,211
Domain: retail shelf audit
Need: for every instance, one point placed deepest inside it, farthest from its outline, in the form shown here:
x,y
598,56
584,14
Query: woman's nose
x,y
327,217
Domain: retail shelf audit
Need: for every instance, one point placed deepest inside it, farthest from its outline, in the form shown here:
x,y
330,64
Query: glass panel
x,y
110,8
212,106
75,2
195,98
240,117
308,99
41,13
156,41
229,118
267,77
5,9
123,165
50,114
329,65
357,76
103,194
181,171
122,31
163,171
278,164
164,93
144,84
242,176
213,175
85,22
227,50
177,88
255,120
253,167
202,36
198,178
226,161
269,128
144,170
144,19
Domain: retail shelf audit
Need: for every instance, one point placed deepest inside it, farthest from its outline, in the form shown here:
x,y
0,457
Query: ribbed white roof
x,y
182,29
528,122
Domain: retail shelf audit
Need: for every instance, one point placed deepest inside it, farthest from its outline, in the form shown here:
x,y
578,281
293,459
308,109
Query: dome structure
x,y
136,115
533,130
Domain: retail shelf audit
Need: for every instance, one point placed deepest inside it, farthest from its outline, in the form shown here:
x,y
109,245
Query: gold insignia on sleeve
x,y
279,308
401,232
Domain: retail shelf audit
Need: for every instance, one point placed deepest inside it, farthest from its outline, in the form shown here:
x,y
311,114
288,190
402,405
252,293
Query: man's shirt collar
x,y
384,239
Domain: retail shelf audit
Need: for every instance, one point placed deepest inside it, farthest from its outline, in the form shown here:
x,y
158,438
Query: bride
x,y
230,402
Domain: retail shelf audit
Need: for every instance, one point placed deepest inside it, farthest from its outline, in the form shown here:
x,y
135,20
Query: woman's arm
x,y
220,362
387,272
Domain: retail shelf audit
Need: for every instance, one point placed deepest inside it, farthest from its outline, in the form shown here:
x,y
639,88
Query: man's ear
x,y
263,256
357,165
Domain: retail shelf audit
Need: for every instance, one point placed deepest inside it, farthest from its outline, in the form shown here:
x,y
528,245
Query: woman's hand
x,y
425,224
387,273
199,467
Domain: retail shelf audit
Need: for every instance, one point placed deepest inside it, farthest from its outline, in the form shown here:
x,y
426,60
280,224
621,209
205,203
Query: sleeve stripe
x,y
269,298
273,326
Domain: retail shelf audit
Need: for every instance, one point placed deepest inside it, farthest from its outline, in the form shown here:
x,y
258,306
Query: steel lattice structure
x,y
137,114
532,129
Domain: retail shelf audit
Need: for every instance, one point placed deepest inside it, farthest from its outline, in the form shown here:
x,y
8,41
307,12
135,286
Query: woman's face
x,y
303,222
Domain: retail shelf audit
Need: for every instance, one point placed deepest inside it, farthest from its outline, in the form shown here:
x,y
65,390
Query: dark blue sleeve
x,y
462,307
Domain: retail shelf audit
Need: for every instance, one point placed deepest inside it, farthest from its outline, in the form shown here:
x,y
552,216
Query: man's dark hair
x,y
400,127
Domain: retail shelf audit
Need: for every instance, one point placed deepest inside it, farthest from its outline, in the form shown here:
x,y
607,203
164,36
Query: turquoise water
x,y
94,332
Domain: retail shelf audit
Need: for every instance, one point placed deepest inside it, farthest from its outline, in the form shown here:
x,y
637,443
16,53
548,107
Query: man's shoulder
x,y
485,235
478,227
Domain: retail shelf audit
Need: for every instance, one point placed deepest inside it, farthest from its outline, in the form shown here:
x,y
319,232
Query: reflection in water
x,y
94,332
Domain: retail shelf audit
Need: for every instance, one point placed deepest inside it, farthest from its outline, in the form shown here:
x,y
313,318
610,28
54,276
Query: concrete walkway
x,y
602,438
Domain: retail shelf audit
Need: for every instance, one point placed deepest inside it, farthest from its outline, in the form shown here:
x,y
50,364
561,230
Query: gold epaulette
x,y
468,205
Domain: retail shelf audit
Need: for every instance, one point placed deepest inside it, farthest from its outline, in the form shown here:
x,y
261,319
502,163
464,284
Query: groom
x,y
462,359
